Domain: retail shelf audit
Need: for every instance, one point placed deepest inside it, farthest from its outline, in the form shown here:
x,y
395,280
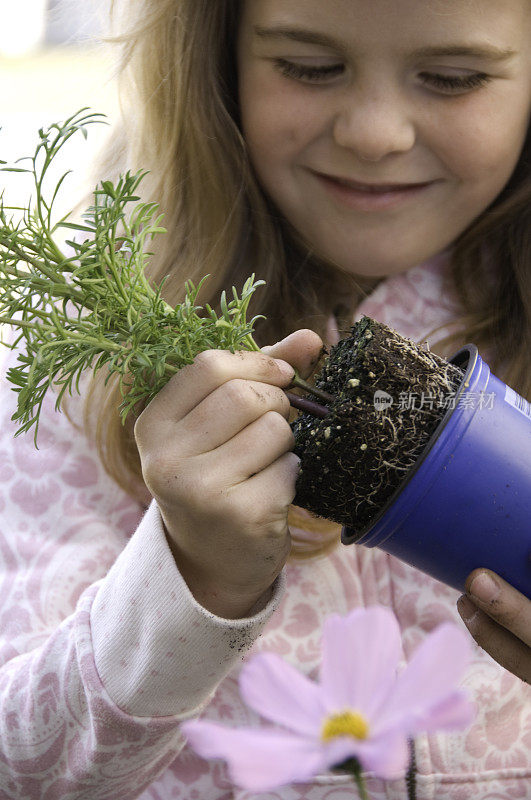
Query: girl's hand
x,y
499,618
215,447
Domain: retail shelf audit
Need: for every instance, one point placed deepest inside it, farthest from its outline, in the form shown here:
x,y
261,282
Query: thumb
x,y
302,349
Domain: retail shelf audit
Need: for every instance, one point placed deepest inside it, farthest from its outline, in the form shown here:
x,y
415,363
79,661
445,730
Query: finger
x,y
501,601
275,481
253,449
226,411
211,369
302,349
504,647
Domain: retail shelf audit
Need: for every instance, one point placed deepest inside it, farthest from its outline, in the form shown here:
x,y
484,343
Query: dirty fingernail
x,y
484,588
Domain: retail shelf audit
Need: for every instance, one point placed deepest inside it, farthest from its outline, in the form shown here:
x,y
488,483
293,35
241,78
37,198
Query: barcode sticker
x,y
517,401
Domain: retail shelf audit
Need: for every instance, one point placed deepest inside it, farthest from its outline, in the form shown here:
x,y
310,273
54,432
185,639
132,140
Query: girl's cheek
x,y
280,131
473,141
276,110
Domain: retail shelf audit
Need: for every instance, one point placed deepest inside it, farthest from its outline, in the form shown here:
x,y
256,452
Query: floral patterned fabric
x,y
103,650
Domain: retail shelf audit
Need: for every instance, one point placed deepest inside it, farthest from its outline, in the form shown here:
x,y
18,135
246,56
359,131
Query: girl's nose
x,y
374,125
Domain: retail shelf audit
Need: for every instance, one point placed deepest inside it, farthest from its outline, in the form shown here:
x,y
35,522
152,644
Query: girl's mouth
x,y
363,197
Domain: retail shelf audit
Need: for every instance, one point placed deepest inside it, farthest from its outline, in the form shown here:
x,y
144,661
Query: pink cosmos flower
x,y
361,708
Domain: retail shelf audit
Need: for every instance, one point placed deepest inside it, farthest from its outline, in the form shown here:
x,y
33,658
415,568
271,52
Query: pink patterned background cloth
x,y
103,650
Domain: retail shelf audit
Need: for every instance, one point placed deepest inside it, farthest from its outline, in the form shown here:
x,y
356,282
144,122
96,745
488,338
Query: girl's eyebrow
x,y
485,51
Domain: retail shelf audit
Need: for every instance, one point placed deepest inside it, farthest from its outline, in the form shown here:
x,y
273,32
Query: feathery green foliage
x,y
95,307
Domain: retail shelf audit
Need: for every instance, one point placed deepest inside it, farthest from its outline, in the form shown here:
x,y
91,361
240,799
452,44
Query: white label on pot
x,y
517,401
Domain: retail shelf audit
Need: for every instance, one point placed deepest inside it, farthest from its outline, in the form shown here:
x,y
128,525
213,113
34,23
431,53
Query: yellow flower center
x,y
346,723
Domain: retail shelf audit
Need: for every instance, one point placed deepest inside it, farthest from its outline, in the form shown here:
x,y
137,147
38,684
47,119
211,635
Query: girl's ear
x,y
302,349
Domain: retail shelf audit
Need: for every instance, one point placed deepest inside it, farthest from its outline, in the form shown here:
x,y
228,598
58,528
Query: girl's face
x,y
380,92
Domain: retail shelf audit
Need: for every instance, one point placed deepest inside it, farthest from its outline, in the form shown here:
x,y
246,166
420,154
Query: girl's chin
x,y
366,261
373,271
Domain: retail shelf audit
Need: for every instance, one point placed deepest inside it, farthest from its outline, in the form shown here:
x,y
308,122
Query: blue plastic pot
x,y
467,501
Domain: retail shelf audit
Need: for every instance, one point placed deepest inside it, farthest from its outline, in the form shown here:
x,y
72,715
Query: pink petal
x,y
258,760
281,694
360,657
455,712
386,756
433,673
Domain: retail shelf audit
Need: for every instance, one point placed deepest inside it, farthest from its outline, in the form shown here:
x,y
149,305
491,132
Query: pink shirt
x,y
103,650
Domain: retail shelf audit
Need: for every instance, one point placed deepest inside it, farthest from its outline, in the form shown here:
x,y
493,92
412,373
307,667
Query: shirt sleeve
x,y
103,649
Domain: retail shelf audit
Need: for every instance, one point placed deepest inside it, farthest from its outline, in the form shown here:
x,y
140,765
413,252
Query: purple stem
x,y
309,406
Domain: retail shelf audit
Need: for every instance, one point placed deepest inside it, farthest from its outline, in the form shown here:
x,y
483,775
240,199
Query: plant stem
x,y
352,767
360,783
411,782
302,384
308,406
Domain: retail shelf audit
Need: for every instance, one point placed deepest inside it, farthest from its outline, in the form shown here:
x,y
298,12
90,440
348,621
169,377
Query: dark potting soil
x,y
390,395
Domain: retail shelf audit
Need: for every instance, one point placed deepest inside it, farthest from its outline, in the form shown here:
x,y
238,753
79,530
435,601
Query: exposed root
x,y
349,472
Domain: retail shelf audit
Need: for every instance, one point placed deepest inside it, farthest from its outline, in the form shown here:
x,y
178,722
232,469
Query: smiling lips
x,y
370,197
373,187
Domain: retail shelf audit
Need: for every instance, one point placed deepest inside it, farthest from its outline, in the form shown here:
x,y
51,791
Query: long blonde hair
x,y
178,83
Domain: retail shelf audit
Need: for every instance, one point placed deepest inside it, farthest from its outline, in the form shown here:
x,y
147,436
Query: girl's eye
x,y
455,83
447,83
302,72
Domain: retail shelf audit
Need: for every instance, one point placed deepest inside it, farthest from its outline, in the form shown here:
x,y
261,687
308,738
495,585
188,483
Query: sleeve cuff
x,y
157,650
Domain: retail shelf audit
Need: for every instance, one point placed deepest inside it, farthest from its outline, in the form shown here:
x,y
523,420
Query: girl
x,y
363,158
